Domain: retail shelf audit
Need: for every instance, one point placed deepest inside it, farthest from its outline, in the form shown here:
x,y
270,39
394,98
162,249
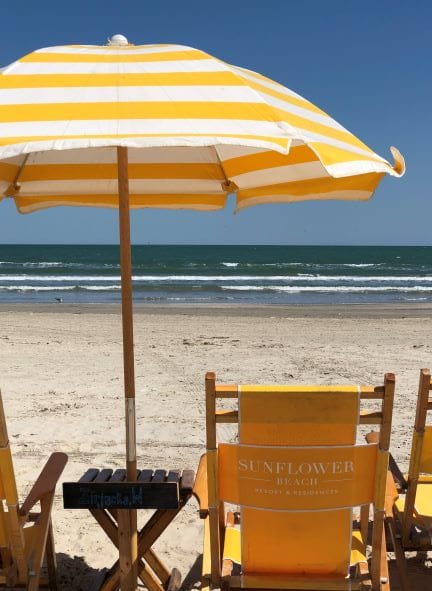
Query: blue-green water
x,y
218,274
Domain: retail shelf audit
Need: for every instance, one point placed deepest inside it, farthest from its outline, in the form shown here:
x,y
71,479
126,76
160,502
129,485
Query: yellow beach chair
x,y
413,506
296,473
26,536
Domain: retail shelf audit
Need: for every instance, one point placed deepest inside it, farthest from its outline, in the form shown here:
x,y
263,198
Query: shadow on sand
x,y
419,571
74,574
192,579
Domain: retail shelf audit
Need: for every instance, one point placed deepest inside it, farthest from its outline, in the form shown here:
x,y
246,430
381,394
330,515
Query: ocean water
x,y
218,274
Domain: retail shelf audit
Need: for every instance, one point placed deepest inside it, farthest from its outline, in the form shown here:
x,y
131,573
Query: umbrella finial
x,y
118,40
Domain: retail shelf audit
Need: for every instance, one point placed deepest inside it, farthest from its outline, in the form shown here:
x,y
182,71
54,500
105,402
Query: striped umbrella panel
x,y
197,128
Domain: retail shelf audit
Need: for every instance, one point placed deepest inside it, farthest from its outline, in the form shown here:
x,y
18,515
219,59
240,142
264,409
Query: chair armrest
x,y
391,495
398,477
372,437
200,489
46,481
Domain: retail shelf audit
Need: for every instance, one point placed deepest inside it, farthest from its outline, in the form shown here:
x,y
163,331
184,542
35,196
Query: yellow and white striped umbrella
x,y
198,129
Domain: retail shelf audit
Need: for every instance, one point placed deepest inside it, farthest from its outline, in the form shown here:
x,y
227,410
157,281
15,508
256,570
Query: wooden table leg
x,y
107,523
151,570
125,537
157,566
154,527
148,578
112,579
151,561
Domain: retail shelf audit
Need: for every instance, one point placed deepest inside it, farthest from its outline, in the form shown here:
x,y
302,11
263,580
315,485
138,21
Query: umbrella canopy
x,y
200,129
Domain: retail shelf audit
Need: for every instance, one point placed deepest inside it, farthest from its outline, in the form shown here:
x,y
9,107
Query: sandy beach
x,y
61,381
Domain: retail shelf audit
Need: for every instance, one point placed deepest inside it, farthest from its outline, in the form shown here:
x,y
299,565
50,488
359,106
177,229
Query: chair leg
x,y
227,568
39,550
51,559
364,524
398,552
385,581
33,581
363,573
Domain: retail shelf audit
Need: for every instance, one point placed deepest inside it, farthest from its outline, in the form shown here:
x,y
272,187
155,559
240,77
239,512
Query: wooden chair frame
x,y
402,533
219,573
22,556
424,404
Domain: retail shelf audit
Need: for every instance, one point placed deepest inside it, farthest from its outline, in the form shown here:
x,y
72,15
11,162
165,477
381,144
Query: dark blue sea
x,y
218,274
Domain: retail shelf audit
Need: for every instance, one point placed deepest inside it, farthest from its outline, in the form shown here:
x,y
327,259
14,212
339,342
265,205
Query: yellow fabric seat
x,y
422,513
232,546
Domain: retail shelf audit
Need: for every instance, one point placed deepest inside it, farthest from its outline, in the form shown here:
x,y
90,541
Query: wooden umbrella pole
x,y
128,539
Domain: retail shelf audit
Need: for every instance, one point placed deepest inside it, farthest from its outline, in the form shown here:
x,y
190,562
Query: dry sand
x,y
61,379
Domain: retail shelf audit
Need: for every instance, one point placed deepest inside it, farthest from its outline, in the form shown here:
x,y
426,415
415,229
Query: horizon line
x,y
212,244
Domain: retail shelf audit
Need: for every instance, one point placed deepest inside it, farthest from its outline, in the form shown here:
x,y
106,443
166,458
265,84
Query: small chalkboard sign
x,y
121,495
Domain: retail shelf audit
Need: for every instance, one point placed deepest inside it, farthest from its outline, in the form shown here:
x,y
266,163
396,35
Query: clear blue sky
x,y
368,64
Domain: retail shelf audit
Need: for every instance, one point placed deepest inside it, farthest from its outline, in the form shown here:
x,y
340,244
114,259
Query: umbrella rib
x,y
227,185
15,185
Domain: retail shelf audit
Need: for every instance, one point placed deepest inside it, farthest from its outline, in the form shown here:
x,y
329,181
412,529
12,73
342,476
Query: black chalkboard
x,y
120,495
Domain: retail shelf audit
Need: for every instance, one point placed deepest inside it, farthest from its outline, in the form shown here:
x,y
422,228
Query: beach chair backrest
x,y
11,535
296,472
295,416
421,458
425,466
421,448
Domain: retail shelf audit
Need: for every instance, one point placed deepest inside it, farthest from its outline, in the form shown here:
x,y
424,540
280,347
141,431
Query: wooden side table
x,y
106,492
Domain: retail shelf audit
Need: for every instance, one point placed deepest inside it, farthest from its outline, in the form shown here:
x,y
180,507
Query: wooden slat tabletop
x,y
108,489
